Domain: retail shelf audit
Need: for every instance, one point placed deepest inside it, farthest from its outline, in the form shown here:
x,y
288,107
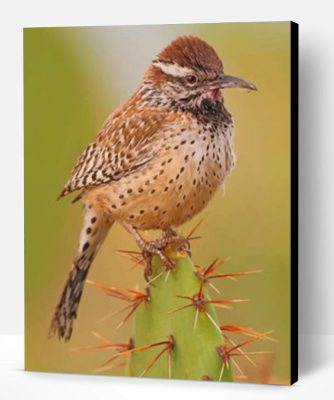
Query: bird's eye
x,y
191,79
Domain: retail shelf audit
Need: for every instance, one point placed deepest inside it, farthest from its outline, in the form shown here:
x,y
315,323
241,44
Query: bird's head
x,y
189,71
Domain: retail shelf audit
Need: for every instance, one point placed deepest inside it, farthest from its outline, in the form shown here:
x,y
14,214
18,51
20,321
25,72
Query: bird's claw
x,y
157,247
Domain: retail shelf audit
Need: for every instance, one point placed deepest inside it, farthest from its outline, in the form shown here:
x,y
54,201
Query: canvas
x,y
161,201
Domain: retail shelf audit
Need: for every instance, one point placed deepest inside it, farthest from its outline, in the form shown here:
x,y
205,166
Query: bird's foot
x,y
169,240
171,237
158,247
153,248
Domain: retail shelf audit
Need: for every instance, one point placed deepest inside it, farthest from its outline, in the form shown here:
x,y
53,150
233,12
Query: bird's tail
x,y
95,229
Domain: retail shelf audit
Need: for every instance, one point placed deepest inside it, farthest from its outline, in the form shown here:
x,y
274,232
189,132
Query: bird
x,y
157,161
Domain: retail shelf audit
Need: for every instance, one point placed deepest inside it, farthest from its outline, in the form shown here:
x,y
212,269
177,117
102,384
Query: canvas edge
x,y
294,203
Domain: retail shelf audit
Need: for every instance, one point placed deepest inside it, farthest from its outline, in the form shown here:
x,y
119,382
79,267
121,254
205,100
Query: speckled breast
x,y
177,184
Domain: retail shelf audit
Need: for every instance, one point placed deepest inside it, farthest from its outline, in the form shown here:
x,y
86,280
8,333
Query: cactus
x,y
169,313
176,331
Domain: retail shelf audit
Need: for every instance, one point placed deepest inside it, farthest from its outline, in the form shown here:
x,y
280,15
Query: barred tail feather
x,y
95,228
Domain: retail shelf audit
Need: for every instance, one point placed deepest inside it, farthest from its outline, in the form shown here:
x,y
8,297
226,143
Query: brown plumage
x,y
157,160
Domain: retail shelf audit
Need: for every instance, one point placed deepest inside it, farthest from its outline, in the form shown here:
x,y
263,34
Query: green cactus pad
x,y
194,355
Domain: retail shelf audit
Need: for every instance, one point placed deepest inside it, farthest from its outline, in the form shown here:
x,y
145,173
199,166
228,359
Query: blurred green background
x,y
73,78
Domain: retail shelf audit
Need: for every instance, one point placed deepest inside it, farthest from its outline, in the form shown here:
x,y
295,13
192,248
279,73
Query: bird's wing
x,y
128,140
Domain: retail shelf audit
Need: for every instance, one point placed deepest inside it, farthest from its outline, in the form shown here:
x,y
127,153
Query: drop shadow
x,y
314,354
312,271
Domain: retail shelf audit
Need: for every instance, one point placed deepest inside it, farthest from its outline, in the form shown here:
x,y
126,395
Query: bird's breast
x,y
177,184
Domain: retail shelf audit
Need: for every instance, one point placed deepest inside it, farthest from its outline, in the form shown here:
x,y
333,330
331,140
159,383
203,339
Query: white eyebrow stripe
x,y
172,69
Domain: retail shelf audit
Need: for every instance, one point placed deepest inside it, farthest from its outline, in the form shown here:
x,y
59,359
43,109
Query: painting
x,y
161,201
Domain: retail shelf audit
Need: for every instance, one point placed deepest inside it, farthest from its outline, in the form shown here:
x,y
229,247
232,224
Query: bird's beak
x,y
228,81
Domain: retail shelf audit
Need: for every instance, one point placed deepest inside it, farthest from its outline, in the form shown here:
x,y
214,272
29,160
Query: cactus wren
x,y
156,162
